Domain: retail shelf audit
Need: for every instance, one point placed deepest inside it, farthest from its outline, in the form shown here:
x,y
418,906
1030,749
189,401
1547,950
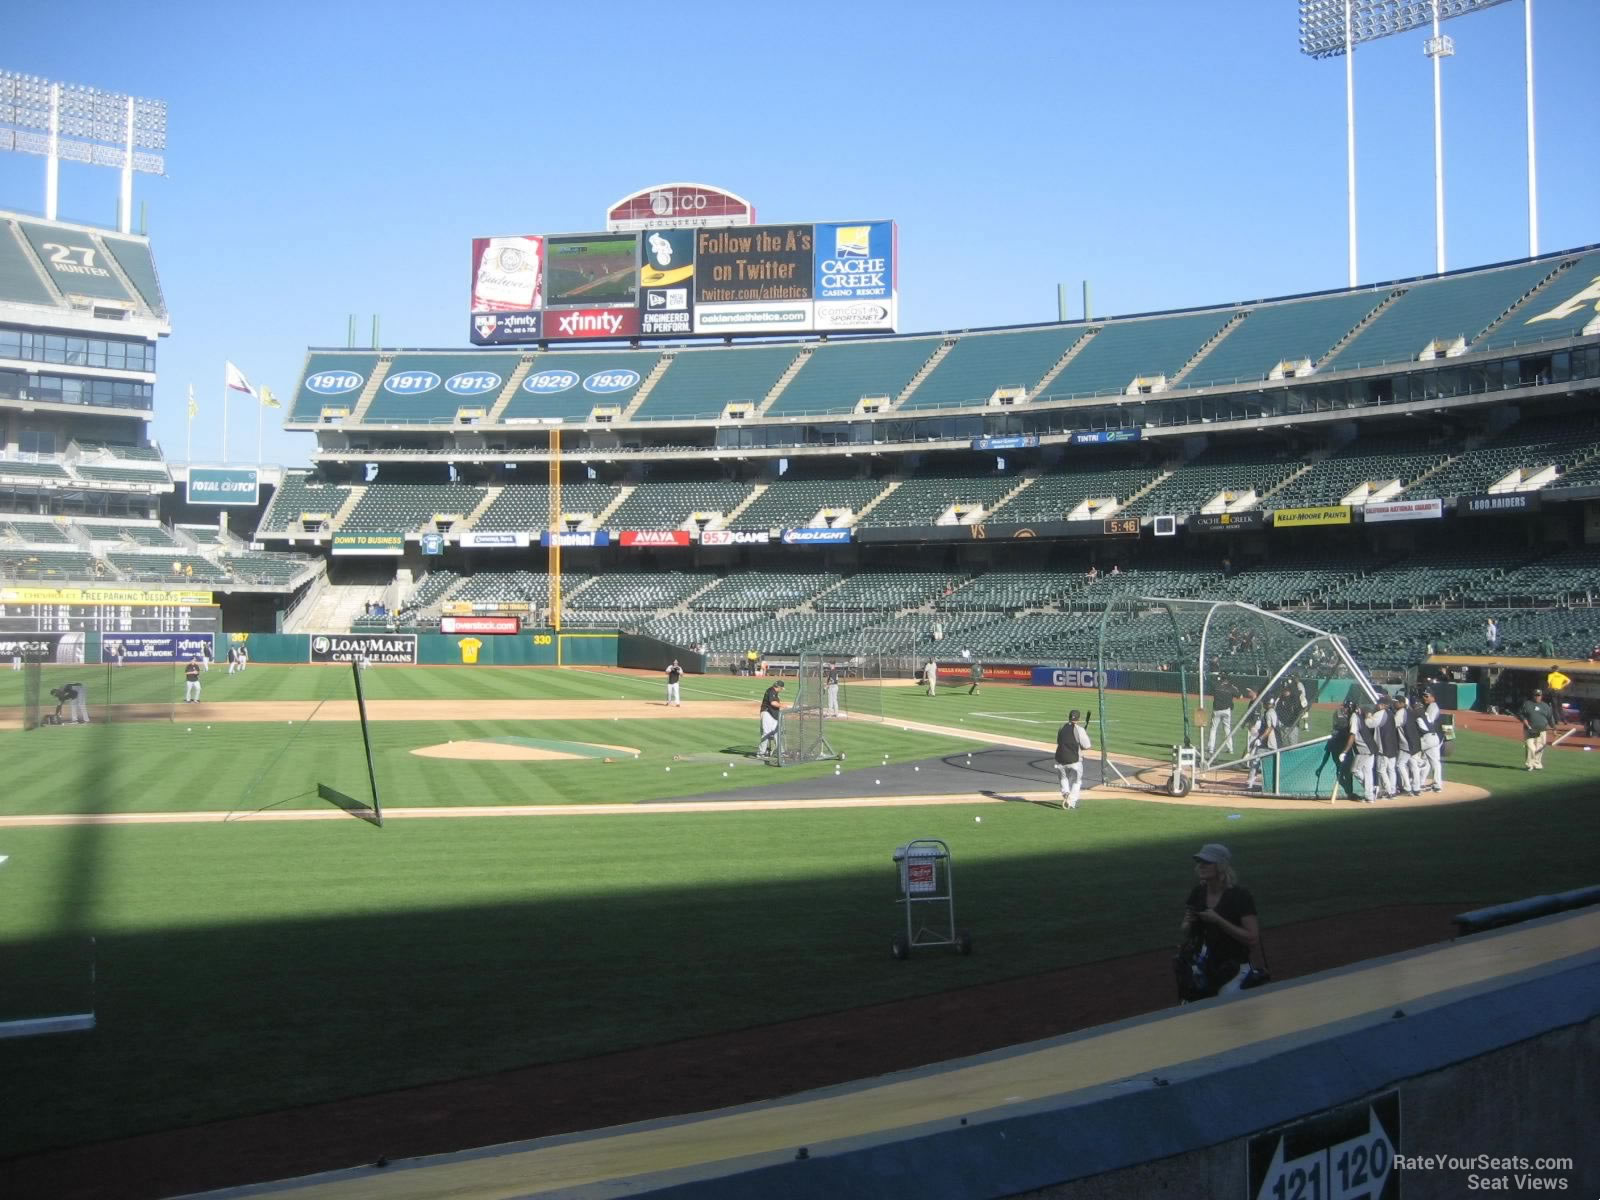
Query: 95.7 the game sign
x,y
1346,1153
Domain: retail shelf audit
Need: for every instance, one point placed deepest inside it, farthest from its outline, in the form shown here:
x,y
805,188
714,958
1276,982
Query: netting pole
x,y
1107,766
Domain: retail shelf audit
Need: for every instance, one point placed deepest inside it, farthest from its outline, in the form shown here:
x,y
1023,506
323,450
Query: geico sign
x,y
1074,677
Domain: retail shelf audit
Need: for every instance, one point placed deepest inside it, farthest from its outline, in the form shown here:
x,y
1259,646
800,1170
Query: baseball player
x,y
977,676
191,681
1383,727
1364,744
1223,693
1411,763
830,678
79,701
930,676
1432,740
674,678
770,707
1263,741
233,659
1071,741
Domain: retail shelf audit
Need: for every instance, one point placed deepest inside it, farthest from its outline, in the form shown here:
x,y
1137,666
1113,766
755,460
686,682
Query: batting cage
x,y
803,722
1230,696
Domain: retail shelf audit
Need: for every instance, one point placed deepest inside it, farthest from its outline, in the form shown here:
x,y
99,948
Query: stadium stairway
x,y
889,490
1522,301
810,606
784,380
738,509
682,606
604,515
497,410
648,385
1355,330
352,498
1061,364
927,368
369,393
1026,482
471,519
1205,349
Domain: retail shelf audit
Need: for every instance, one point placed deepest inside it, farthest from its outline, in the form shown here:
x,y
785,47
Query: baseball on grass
x,y
979,820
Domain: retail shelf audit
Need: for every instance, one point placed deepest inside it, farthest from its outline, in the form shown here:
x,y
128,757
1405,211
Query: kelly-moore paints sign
x,y
223,485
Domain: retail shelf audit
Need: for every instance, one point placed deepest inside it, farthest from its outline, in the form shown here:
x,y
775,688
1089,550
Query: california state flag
x,y
235,379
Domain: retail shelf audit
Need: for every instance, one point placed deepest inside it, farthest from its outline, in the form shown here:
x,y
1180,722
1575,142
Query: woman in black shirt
x,y
1221,917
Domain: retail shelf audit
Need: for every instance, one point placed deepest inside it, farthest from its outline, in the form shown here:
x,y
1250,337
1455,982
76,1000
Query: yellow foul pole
x,y
556,530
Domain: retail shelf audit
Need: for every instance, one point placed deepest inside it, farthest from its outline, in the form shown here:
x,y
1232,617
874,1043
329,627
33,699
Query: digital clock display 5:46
x,y
1121,527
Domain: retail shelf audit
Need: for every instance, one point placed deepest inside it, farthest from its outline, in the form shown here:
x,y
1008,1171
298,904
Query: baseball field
x,y
569,868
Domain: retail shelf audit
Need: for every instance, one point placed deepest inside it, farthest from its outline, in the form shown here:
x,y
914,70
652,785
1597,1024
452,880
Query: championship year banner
x,y
223,485
373,647
1325,514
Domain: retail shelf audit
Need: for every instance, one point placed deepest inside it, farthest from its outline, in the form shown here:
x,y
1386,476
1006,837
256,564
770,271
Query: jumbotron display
x,y
837,277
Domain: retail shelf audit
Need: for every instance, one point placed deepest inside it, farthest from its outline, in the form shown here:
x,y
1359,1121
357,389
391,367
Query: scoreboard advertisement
x,y
836,277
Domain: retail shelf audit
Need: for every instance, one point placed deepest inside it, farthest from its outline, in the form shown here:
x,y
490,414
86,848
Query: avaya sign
x,y
680,206
655,537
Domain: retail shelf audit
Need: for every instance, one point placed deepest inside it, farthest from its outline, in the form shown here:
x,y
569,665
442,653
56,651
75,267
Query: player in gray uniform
x,y
1432,741
1364,747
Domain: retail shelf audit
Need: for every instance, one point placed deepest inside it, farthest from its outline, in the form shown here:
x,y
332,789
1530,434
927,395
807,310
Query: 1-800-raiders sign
x,y
374,647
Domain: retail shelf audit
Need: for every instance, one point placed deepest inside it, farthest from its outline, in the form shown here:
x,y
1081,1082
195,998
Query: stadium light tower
x,y
1332,27
82,124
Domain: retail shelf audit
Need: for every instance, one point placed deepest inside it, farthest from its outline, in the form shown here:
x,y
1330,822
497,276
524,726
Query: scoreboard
x,y
107,610
110,618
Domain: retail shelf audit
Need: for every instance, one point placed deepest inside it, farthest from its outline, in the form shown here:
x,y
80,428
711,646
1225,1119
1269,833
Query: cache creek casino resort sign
x,y
676,261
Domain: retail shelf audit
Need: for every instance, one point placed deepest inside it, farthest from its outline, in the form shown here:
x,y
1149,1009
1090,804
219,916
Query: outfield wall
x,y
530,648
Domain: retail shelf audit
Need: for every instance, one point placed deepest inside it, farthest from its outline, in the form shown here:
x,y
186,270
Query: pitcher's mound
x,y
520,749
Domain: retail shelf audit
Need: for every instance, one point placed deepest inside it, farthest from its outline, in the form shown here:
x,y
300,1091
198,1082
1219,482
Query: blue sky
x,y
337,158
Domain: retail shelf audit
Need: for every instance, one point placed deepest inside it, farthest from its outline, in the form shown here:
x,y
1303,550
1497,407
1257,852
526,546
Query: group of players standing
x,y
1393,746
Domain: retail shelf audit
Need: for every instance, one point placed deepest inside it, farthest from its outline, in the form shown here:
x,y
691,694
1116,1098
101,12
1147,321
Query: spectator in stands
x,y
1220,926
1491,634
177,567
1537,720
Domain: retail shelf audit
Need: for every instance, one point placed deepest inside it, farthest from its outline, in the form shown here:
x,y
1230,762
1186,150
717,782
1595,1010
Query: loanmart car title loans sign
x,y
373,647
223,485
751,279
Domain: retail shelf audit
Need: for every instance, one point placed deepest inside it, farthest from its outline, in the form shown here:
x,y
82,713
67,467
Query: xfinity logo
x,y
589,321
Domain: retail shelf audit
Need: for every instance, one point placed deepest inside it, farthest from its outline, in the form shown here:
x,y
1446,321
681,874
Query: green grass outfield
x,y
253,965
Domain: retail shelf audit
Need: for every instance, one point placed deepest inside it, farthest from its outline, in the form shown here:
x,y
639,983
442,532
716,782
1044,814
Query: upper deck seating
x,y
1136,349
160,567
837,375
701,383
112,474
133,256
38,532
33,470
429,389
144,535
1560,309
572,384
19,280
979,363
640,590
1008,591
1287,332
332,379
277,569
1446,308
53,565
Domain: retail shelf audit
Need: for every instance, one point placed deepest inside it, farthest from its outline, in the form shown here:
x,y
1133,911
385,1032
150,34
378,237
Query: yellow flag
x,y
268,400
194,409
